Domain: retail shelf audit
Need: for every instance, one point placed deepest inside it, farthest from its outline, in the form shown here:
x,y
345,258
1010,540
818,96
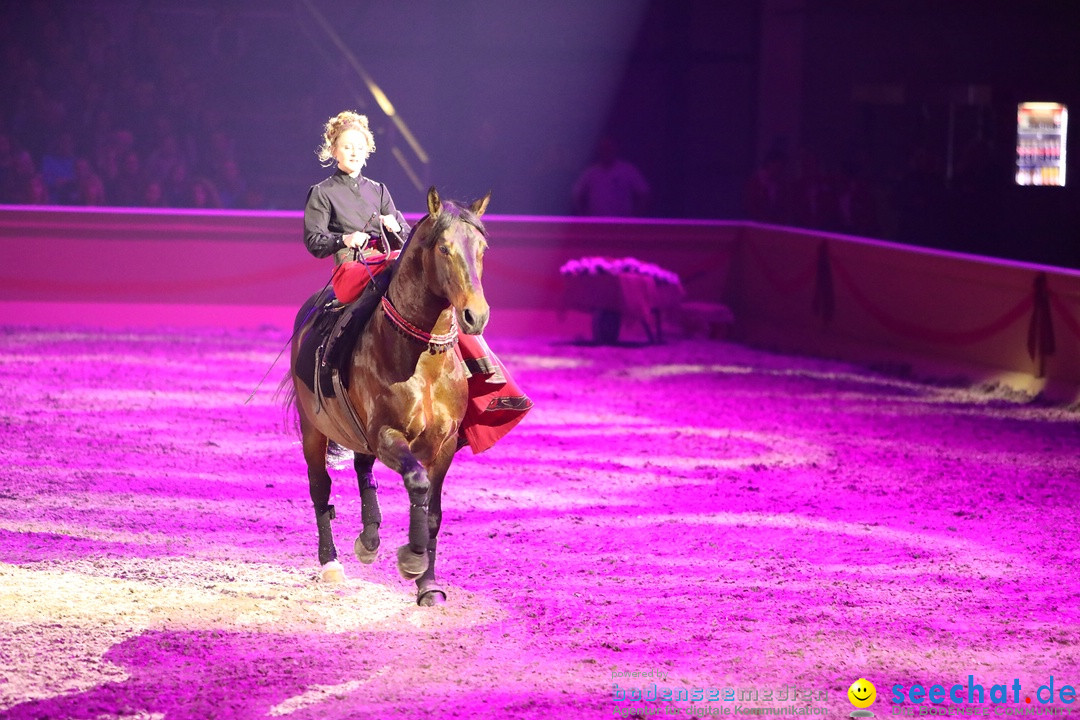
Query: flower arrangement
x,y
618,266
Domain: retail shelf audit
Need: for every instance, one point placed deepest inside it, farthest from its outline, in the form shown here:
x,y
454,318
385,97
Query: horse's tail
x,y
335,453
286,391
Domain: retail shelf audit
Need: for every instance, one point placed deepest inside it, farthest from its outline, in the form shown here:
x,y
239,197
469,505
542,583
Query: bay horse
x,y
407,392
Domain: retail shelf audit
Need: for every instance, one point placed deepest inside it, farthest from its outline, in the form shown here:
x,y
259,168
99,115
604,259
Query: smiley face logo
x,y
862,693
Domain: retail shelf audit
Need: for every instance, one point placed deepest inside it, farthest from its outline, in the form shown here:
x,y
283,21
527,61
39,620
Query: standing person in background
x,y
611,186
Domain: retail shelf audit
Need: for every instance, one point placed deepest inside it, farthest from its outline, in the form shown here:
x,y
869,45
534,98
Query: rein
x,y
436,343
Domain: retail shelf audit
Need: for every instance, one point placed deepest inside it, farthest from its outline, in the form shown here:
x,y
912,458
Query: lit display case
x,y
1040,143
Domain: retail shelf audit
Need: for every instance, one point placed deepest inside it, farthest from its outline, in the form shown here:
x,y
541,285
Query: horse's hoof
x,y
332,572
365,554
411,565
430,596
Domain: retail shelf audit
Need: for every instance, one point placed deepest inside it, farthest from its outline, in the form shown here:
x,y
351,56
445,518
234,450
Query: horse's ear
x,y
434,204
480,206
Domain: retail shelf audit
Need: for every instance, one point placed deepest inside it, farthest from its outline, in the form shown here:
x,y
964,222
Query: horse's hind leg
x,y
367,542
314,444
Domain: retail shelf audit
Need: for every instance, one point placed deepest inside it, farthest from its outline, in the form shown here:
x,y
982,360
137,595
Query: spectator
x,y
27,187
89,189
108,152
610,186
165,157
204,195
153,195
58,169
219,150
129,185
176,186
766,197
231,185
254,197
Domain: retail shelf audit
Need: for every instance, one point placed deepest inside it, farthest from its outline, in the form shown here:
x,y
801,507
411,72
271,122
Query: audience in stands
x,y
90,118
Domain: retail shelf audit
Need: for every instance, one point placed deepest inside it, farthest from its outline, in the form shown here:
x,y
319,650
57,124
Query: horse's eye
x,y
444,249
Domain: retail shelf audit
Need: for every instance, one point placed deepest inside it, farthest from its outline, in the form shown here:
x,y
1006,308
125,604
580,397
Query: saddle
x,y
334,330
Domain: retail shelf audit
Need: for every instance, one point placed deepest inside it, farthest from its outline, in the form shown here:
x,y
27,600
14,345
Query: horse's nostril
x,y
469,317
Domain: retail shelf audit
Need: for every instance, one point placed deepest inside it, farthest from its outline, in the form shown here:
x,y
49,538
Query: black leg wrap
x,y
418,529
327,550
370,514
372,519
363,465
428,592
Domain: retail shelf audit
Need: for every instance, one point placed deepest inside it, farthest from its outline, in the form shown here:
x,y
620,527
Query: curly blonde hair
x,y
346,120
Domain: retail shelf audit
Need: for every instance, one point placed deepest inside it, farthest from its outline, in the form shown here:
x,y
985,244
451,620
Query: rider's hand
x,y
390,223
355,240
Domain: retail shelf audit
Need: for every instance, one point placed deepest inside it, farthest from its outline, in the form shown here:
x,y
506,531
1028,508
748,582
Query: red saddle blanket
x,y
351,277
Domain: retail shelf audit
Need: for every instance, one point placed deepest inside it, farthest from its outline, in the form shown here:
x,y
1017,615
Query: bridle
x,y
436,342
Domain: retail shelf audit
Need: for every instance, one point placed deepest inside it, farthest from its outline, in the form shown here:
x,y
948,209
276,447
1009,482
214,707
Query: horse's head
x,y
454,242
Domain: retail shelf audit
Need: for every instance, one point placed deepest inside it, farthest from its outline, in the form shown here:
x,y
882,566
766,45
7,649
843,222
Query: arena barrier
x,y
1010,322
790,289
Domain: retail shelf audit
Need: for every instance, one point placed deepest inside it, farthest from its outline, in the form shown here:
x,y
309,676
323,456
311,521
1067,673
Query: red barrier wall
x,y
797,290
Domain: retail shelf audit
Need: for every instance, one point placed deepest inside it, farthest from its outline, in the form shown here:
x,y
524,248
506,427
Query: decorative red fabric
x,y
496,403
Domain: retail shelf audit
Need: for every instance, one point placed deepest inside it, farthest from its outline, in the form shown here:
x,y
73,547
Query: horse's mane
x,y
449,213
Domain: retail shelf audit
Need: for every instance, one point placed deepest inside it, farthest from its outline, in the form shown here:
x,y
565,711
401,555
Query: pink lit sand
x,y
723,516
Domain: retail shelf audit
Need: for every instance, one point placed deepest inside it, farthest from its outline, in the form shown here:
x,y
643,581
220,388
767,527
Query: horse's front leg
x,y
428,590
395,453
367,542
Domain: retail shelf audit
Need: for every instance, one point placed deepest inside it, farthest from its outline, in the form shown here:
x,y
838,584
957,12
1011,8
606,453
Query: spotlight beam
x,y
377,92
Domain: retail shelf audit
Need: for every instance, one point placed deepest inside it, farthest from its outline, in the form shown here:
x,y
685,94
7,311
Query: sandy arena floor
x,y
717,516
